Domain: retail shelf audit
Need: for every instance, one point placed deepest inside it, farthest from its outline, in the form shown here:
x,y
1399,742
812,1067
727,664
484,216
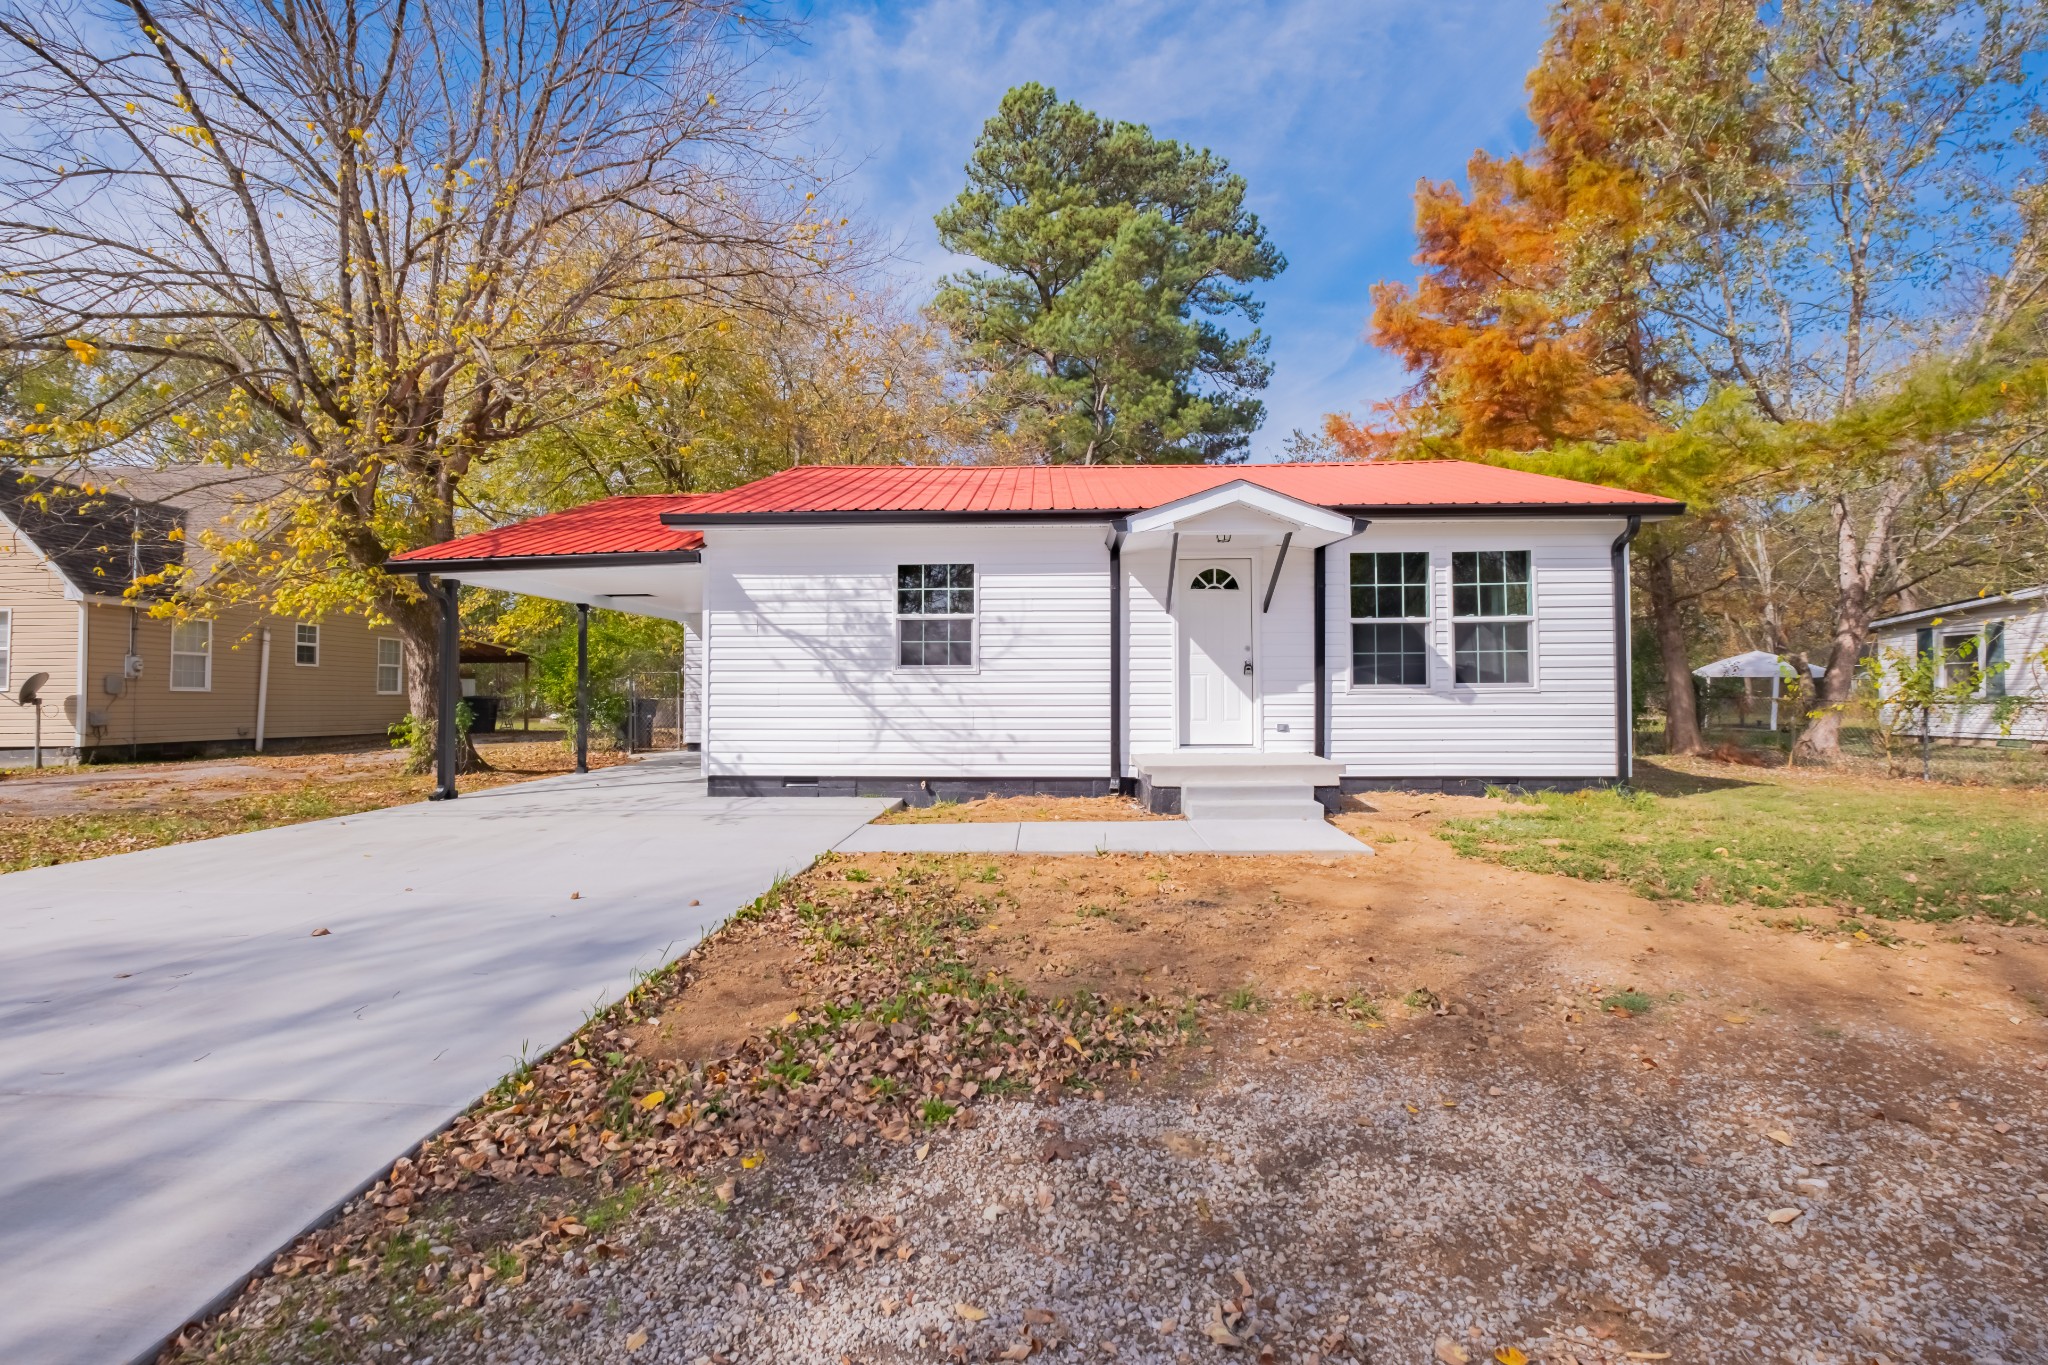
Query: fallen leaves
x,y
1449,1352
1783,1216
969,1313
1511,1355
926,1035
638,1339
856,1239
320,933
1780,1136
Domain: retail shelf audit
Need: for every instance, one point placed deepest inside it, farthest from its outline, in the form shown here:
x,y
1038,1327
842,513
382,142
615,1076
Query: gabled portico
x,y
1227,552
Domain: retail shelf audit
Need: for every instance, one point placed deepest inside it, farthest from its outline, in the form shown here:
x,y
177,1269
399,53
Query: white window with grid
x,y
306,645
6,647
935,616
1390,619
1493,610
390,666
192,656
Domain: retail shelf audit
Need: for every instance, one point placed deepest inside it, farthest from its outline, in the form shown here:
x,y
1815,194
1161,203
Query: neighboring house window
x,y
1492,608
1972,656
192,656
306,645
1390,619
390,655
935,615
6,645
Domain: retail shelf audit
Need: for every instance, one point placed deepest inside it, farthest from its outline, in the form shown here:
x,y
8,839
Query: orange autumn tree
x,y
1538,333
1502,362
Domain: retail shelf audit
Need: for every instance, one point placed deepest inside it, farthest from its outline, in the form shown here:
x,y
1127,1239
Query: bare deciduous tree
x,y
387,237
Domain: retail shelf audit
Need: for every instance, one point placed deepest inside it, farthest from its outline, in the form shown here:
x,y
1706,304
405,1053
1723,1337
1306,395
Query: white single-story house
x,y
950,631
1998,639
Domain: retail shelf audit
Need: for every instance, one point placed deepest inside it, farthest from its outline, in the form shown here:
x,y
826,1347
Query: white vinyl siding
x,y
802,676
390,666
1560,725
306,645
192,656
6,643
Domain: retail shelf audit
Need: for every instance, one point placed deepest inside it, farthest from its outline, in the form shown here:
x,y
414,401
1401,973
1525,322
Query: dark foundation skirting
x,y
912,791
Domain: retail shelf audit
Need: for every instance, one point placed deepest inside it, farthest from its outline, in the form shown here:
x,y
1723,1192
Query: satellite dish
x,y
30,688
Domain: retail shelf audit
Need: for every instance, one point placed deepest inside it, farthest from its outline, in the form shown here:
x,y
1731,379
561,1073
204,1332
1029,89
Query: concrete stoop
x,y
1231,785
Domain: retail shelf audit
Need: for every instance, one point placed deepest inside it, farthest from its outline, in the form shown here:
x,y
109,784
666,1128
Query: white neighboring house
x,y
2000,628
944,631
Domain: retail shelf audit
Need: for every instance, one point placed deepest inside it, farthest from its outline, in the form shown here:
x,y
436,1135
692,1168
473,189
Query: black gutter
x,y
1624,683
1322,653
1116,662
1110,514
597,561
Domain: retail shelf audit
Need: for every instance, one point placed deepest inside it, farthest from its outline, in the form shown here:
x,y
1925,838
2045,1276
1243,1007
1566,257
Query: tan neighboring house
x,y
126,683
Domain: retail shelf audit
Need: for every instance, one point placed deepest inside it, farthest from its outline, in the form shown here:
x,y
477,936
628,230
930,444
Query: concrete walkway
x,y
1106,836
189,1078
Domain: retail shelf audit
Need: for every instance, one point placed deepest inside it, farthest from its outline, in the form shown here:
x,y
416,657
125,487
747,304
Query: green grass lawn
x,y
1853,846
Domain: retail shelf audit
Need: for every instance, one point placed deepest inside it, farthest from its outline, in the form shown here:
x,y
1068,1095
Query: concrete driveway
x,y
189,1078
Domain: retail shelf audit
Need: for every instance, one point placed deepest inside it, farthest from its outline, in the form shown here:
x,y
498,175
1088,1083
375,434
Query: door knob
x,y
1247,668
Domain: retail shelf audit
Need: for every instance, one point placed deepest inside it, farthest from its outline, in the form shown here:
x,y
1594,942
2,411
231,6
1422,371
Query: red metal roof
x,y
609,526
1131,488
633,525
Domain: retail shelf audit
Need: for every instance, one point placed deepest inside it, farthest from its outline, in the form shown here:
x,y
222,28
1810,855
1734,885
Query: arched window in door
x,y
1220,579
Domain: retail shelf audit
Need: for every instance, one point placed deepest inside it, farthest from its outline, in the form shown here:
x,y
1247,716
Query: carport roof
x,y
623,526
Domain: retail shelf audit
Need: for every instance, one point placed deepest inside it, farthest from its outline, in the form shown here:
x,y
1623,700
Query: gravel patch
x,y
1356,1197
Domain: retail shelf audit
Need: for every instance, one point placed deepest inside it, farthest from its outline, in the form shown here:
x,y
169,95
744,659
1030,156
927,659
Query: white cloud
x,y
1331,109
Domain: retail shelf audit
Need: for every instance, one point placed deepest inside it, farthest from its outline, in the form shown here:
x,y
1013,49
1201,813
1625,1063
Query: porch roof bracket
x,y
1273,581
1172,568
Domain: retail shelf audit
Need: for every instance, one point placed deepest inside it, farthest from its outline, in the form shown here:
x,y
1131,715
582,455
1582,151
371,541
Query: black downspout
x,y
1624,682
583,687
1116,663
1322,653
447,736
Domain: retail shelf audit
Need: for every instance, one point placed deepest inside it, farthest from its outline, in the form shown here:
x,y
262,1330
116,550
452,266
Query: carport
x,y
614,554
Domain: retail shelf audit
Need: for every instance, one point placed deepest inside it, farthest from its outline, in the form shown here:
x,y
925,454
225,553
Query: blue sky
x,y
1331,109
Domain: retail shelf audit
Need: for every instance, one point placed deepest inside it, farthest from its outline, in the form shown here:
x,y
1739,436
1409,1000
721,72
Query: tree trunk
x,y
418,622
1856,571
1681,708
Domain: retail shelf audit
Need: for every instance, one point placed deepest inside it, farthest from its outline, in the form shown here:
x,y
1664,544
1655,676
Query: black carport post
x,y
583,687
446,736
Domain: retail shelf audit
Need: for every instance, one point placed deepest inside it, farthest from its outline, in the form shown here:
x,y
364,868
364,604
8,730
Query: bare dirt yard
x,y
1415,1107
61,815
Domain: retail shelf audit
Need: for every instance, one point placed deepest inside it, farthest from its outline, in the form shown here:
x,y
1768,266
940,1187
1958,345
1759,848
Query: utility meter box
x,y
131,666
114,684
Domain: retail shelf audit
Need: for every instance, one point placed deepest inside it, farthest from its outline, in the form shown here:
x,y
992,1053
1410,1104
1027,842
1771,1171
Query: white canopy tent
x,y
1757,663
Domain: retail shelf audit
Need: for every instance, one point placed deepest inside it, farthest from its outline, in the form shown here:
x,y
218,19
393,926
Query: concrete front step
x,y
1239,785
1179,767
1200,805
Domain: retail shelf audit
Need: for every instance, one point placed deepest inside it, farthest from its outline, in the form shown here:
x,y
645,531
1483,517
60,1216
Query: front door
x,y
1213,601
